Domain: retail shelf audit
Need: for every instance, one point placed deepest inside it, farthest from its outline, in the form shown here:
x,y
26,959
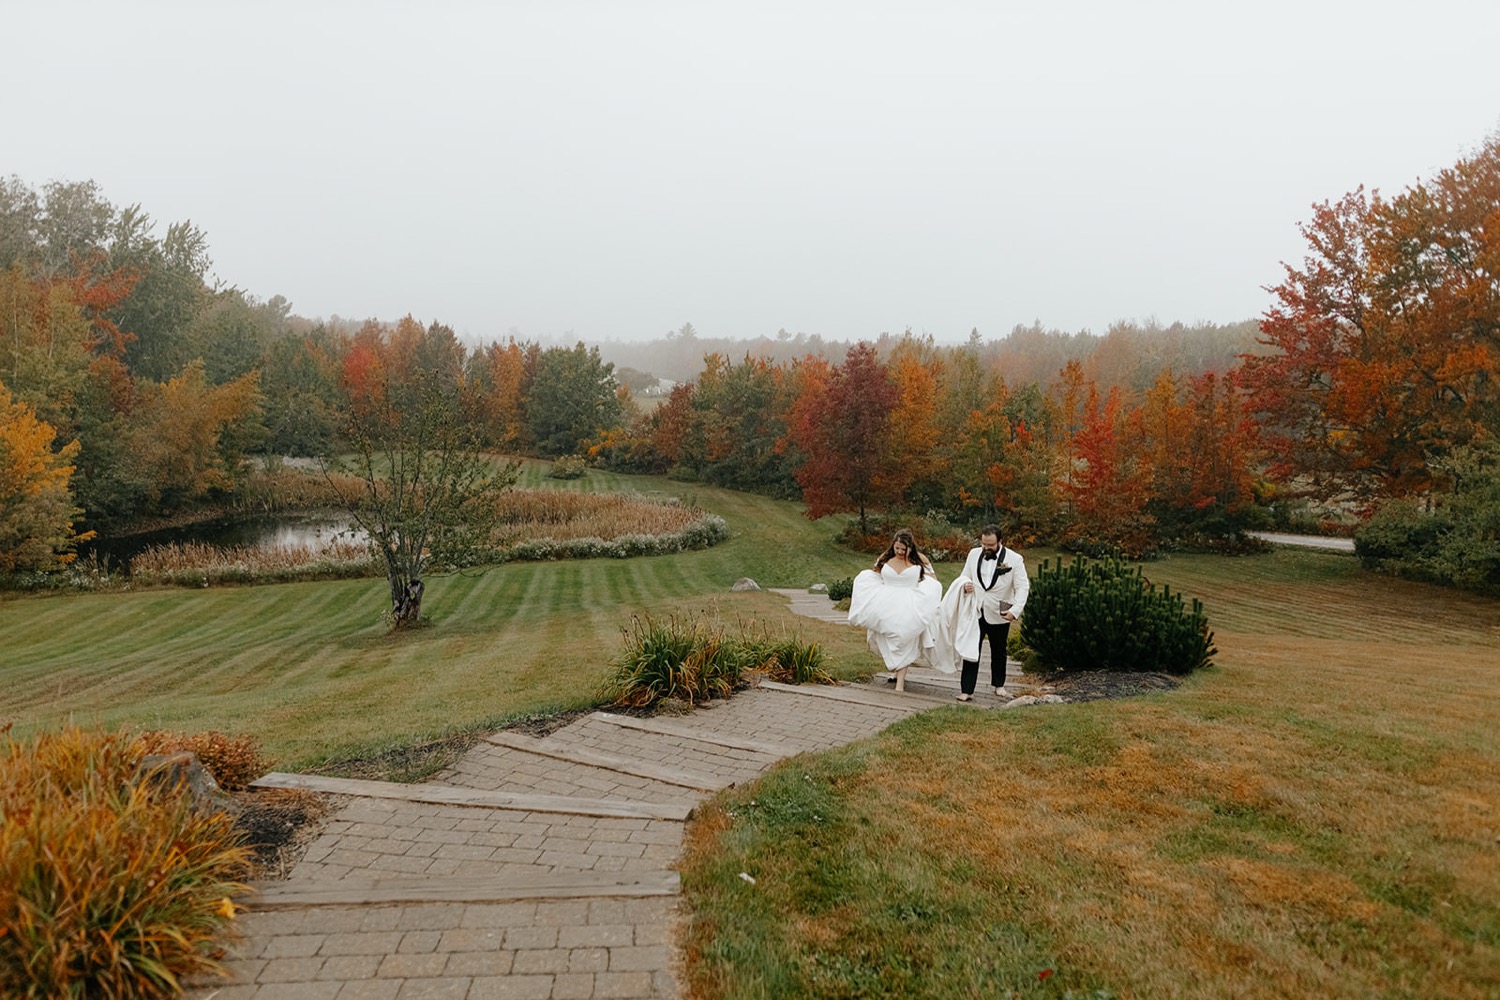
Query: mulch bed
x,y
1093,685
278,824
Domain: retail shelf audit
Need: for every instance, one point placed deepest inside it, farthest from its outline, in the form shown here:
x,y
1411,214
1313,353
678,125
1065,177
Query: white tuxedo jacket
x,y
998,592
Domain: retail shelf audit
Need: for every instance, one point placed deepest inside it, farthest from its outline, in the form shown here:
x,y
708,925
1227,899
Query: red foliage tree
x,y
1384,343
1109,486
842,432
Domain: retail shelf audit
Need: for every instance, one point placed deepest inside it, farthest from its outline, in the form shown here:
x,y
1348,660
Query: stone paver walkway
x,y
533,867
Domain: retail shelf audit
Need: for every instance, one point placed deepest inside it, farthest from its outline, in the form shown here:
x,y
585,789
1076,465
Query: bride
x,y
896,603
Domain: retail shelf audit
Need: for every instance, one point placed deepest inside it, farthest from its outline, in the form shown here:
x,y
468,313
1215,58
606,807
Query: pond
x,y
268,532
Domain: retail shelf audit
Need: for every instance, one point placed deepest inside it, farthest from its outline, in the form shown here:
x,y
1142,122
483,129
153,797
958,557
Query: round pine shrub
x,y
1104,615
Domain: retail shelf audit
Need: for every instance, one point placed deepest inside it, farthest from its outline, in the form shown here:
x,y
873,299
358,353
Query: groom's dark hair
x,y
992,529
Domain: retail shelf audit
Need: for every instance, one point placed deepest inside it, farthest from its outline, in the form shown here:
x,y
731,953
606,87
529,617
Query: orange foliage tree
x,y
1109,487
1384,342
36,508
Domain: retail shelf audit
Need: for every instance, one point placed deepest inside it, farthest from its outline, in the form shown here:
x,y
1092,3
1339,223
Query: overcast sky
x,y
612,170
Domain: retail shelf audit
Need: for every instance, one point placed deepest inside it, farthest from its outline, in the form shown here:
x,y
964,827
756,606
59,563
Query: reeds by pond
x,y
529,515
535,525
195,564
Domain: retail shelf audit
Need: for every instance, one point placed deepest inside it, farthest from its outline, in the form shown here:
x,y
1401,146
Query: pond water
x,y
271,532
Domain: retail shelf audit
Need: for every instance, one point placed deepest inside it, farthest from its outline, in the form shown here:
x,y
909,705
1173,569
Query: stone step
x,y
904,702
448,795
938,684
470,889
669,727
557,748
722,765
817,606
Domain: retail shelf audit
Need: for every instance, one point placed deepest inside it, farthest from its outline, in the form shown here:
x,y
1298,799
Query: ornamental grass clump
x,y
1104,615
234,761
793,661
690,661
110,886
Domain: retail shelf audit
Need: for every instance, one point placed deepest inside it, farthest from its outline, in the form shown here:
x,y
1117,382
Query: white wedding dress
x,y
897,611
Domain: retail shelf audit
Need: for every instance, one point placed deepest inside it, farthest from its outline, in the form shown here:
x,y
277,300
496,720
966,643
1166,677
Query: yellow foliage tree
x,y
178,435
36,506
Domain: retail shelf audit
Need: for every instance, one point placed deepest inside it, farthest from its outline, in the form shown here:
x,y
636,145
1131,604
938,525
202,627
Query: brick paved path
x,y
534,867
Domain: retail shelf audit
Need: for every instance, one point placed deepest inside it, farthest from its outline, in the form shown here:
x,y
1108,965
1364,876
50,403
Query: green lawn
x,y
1314,816
311,670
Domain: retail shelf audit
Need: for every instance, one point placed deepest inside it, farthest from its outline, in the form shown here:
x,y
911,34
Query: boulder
x,y
745,583
170,770
1025,699
818,588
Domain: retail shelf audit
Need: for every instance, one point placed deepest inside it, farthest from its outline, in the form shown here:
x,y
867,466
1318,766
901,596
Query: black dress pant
x,y
996,634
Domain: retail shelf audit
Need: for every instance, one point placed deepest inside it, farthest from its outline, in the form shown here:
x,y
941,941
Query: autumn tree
x,y
37,513
1107,491
1383,344
668,428
426,493
738,420
506,372
186,439
914,462
572,398
1199,451
841,429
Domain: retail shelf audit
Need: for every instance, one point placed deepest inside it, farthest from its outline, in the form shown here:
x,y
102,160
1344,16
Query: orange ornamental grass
x,y
109,886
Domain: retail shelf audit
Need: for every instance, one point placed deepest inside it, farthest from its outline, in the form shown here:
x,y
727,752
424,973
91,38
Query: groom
x,y
998,576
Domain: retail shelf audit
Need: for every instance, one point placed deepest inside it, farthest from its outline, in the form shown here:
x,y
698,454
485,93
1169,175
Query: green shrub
x,y
1105,615
841,590
109,886
707,531
1016,646
567,467
689,661
1456,540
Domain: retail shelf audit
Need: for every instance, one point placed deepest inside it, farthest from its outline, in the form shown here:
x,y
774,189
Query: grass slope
x,y
1316,816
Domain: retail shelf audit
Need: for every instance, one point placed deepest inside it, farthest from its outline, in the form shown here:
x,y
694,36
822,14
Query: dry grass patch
x,y
528,515
1316,817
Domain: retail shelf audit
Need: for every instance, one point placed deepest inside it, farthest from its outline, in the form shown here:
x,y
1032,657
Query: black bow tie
x,y
986,556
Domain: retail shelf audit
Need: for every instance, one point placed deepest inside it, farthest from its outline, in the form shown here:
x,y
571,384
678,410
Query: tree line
x,y
131,384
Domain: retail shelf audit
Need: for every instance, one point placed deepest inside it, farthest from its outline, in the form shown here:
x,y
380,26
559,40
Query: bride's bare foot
x,y
901,679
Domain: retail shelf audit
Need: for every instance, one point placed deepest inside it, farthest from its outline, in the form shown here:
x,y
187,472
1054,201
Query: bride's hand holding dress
x,y
897,607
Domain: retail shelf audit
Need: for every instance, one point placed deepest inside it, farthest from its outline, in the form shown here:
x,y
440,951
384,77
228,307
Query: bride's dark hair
x,y
913,554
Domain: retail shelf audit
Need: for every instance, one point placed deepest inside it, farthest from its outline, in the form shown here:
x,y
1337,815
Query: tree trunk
x,y
406,603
